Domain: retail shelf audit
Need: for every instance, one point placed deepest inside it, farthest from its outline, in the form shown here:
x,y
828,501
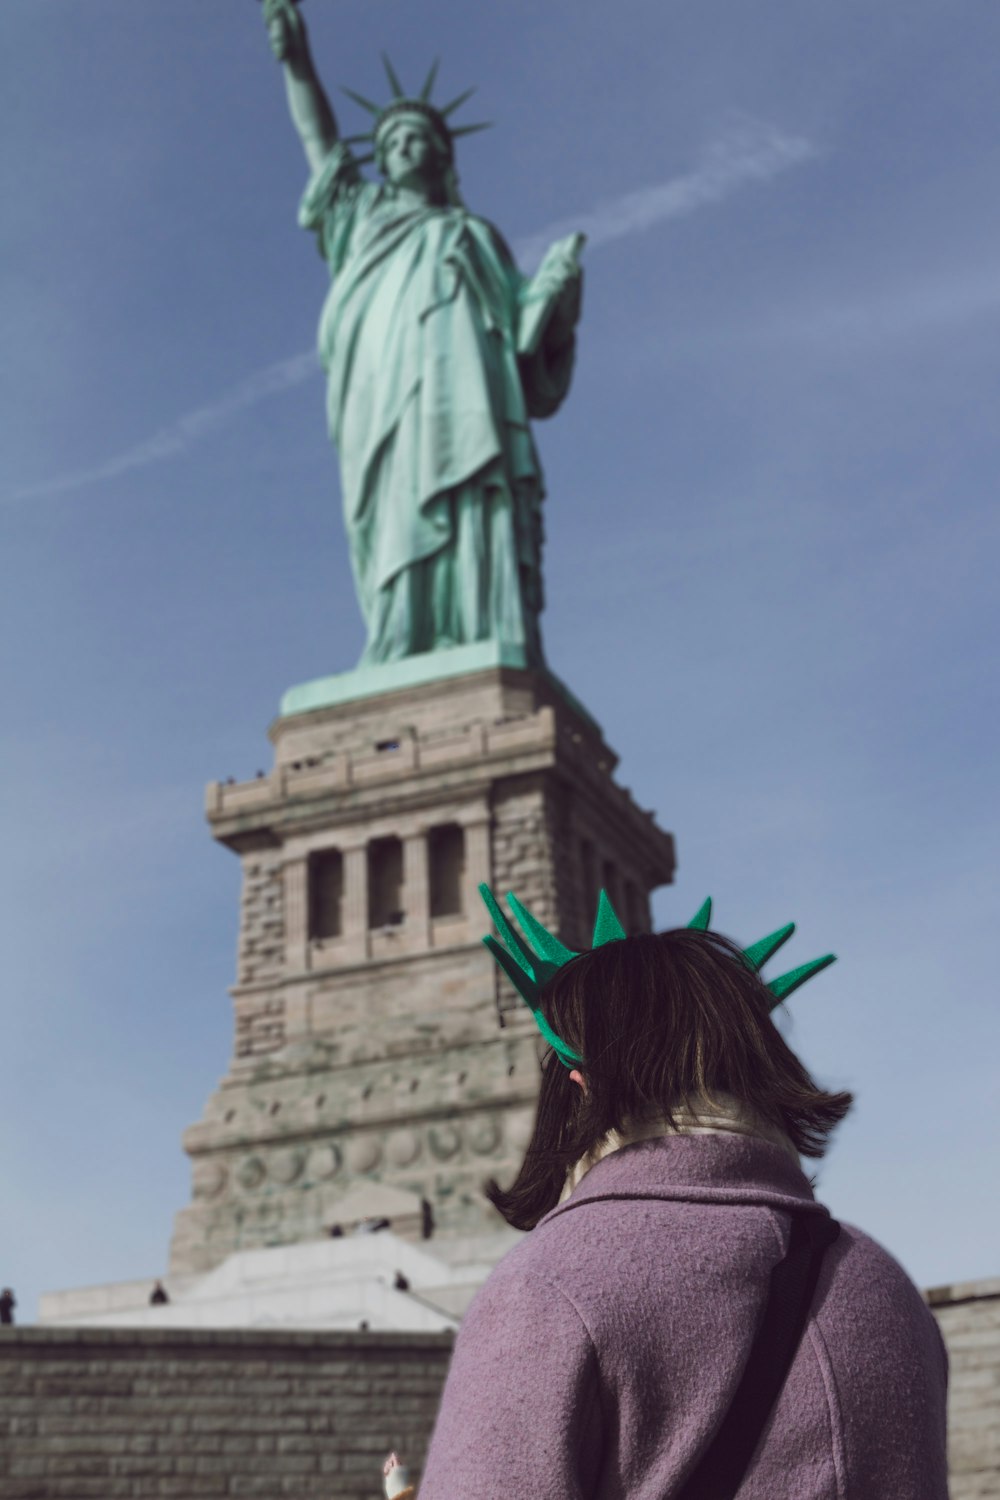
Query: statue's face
x,y
410,155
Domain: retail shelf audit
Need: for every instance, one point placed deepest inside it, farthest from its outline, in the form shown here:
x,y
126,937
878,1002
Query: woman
x,y
661,1187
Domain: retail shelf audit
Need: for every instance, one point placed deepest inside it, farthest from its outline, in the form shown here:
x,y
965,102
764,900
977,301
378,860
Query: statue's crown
x,y
530,967
414,104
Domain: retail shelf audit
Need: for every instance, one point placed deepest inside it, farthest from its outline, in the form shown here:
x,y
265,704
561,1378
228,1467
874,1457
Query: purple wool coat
x,y
601,1354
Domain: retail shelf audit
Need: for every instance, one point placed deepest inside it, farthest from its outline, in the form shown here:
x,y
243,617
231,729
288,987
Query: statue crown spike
x,y
419,103
529,965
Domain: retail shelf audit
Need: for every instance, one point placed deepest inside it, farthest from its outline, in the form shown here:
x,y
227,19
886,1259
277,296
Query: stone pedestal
x,y
376,1044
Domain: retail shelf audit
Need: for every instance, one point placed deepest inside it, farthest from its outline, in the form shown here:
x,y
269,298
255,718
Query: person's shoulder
x,y
868,1283
520,1262
877,1330
558,1258
862,1255
522,1302
525,1277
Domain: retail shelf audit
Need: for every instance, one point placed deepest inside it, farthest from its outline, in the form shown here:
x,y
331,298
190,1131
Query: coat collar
x,y
730,1169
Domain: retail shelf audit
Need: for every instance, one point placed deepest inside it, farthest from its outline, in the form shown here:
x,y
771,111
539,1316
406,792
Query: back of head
x,y
662,1022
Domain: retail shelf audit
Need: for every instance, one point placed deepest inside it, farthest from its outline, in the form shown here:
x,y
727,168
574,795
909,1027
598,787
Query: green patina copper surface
x,y
413,671
438,353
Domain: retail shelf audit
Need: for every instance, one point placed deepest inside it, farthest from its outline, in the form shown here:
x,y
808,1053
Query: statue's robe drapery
x,y
428,404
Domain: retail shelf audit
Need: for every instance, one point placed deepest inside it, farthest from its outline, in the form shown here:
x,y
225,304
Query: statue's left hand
x,y
566,313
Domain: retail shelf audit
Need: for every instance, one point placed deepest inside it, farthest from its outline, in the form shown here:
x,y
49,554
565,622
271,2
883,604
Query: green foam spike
x,y
526,969
428,88
699,922
519,951
607,927
390,73
449,109
783,986
764,948
548,946
562,1049
522,982
490,902
373,109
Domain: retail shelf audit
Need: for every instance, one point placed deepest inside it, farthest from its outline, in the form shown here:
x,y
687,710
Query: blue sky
x,y
770,522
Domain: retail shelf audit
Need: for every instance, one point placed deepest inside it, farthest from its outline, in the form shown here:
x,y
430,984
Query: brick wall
x,y
262,919
117,1415
969,1318
124,1416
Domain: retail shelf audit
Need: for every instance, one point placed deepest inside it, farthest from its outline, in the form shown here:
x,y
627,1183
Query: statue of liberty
x,y
438,352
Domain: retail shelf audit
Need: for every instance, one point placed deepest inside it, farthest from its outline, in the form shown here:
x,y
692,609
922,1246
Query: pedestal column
x,y
416,891
477,866
356,901
296,882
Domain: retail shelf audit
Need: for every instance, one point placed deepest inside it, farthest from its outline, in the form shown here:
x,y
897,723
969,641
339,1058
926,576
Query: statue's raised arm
x,y
310,109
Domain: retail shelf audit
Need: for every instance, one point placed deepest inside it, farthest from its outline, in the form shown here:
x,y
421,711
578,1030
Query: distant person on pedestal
x,y
371,1226
8,1302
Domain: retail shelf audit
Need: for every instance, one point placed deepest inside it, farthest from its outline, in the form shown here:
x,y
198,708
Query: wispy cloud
x,y
179,436
747,151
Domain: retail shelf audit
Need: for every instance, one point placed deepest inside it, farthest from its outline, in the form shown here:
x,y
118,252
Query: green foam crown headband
x,y
529,968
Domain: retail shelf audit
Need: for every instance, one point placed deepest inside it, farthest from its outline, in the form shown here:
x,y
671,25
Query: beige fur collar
x,y
722,1115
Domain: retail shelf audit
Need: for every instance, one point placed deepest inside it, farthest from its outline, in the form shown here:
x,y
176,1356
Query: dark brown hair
x,y
662,1022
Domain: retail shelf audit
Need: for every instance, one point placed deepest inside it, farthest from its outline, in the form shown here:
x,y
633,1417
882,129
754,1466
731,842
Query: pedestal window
x,y
446,857
385,883
326,895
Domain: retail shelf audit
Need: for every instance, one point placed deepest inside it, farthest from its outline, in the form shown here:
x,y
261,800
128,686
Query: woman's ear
x,y
577,1077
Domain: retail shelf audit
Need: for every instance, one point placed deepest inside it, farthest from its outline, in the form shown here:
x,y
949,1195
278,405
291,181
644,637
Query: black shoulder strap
x,y
720,1471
